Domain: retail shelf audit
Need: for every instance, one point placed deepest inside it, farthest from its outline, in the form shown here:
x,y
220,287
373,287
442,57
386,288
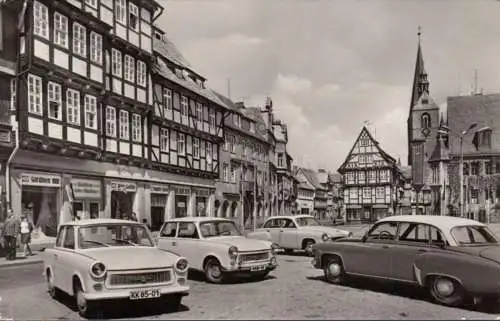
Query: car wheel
x,y
308,247
213,271
172,302
333,269
85,307
52,289
446,291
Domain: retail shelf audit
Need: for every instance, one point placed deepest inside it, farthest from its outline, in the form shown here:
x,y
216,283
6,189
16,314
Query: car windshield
x,y
105,235
219,228
473,235
307,221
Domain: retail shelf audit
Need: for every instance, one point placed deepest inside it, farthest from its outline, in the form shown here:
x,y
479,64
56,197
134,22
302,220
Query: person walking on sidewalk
x,y
10,233
26,229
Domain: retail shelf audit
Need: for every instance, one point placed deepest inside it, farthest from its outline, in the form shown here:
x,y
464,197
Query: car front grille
x,y
141,278
254,257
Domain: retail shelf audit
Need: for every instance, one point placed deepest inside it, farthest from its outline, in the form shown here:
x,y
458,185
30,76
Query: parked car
x,y
102,259
451,257
216,247
296,232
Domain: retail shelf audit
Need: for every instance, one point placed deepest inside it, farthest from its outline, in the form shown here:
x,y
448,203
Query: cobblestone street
x,y
294,291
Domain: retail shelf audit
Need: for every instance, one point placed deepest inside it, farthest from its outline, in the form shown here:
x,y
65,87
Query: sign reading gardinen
x,y
34,179
86,189
123,187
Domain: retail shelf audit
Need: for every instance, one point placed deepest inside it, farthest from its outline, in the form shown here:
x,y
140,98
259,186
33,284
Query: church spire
x,y
420,82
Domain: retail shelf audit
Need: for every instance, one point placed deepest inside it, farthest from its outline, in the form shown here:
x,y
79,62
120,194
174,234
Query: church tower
x,y
423,126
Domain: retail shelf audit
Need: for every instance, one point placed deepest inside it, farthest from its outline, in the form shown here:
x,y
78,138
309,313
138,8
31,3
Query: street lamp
x,y
461,167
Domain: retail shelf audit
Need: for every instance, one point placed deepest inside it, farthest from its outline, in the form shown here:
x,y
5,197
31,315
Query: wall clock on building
x,y
426,132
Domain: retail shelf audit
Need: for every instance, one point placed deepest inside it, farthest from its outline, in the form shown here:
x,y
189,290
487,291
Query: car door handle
x,y
386,247
281,230
174,243
421,250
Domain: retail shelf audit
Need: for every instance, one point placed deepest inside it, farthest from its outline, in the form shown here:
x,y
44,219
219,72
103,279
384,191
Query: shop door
x,y
157,218
86,209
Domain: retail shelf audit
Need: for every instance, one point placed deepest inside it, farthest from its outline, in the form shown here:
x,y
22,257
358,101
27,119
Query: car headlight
x,y
274,248
233,252
181,265
97,270
325,237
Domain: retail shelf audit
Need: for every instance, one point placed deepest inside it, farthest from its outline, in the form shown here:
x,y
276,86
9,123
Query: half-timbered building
x,y
371,178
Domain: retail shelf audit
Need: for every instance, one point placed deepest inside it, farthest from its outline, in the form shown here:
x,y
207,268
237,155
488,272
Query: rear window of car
x,y
473,235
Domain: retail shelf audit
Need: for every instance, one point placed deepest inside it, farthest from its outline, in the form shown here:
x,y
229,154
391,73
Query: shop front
x,y
122,199
41,200
182,197
202,195
87,197
159,199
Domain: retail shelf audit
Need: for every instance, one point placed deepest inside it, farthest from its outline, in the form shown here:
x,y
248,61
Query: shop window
x,y
475,168
94,209
121,204
41,207
200,206
158,203
181,203
487,168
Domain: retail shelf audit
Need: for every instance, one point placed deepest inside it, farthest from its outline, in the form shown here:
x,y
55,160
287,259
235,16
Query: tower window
x,y
426,121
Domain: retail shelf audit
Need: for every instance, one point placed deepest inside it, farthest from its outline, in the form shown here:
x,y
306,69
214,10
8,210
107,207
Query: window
x,y
120,11
350,177
92,3
110,121
474,193
237,120
383,231
124,132
211,119
209,150
426,121
233,174
164,140
412,232
35,94
169,230
187,230
280,160
380,191
367,192
79,40
475,168
129,70
133,16
252,127
96,48
361,177
466,169
73,107
167,100
116,58
181,146
372,176
184,106
13,94
90,112
384,176
225,172
60,30
54,100
41,17
364,142
487,168
232,140
141,73
69,238
136,128
196,147
435,173
465,235
199,112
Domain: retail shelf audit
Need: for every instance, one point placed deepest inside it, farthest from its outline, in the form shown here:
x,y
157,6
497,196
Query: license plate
x,y
258,268
144,294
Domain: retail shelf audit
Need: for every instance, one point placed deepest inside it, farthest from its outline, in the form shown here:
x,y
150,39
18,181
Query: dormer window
x,y
179,73
425,101
185,74
426,121
133,16
252,127
200,83
158,35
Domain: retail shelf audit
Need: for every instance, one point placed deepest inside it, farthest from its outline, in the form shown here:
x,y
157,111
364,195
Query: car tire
x,y
213,271
172,302
54,292
308,247
85,308
446,291
333,270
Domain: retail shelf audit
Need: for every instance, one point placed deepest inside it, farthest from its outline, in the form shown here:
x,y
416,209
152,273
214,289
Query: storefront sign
x,y
33,179
159,189
182,190
86,189
123,187
181,204
202,192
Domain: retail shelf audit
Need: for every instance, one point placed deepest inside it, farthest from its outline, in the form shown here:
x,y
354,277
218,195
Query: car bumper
x,y
253,268
124,293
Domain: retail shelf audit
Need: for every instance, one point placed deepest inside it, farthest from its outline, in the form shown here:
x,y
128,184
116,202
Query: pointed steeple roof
x,y
420,82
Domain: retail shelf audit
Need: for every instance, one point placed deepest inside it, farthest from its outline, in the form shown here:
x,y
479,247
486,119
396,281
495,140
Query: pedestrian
x,y
26,229
133,217
145,222
10,233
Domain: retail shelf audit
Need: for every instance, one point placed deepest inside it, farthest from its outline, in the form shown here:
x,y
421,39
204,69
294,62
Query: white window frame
x,y
129,69
41,19
181,144
225,172
136,128
116,63
133,10
164,140
252,127
124,125
111,121
212,123
54,95
91,3
141,73
79,40
199,111
167,100
13,91
61,30
121,11
196,147
73,107
35,95
184,106
96,48
91,112
232,173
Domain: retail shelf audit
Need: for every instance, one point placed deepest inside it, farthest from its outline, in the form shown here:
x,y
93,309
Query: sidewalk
x,y
36,258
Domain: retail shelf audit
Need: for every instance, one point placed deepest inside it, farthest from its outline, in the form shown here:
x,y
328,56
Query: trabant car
x,y
217,247
102,259
296,232
453,258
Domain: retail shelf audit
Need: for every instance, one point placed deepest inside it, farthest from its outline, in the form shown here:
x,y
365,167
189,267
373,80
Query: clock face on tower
x,y
426,132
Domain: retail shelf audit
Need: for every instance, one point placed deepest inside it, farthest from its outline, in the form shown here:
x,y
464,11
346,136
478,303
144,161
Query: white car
x,y
296,232
216,247
102,259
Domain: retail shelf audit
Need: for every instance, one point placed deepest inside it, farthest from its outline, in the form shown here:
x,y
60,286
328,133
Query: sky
x,y
331,65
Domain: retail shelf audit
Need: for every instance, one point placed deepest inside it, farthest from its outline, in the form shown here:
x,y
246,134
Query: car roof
x,y
442,222
98,221
291,216
197,219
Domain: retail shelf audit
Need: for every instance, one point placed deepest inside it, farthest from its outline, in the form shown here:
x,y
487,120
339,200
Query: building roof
x,y
335,178
405,171
481,109
169,51
312,178
303,185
